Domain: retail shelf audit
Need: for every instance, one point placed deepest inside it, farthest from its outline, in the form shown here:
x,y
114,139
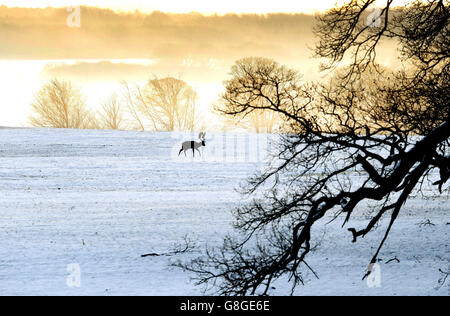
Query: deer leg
x,y
198,151
180,151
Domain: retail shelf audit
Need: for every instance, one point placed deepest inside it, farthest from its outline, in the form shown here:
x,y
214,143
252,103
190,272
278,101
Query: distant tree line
x,y
166,104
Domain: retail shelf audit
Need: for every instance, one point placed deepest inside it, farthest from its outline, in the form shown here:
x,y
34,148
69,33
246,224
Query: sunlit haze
x,y
139,40
180,6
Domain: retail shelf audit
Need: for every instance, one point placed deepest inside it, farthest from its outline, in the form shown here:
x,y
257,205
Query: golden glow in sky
x,y
183,6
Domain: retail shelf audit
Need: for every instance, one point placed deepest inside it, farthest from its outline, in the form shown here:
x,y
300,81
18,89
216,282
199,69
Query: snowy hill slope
x,y
101,199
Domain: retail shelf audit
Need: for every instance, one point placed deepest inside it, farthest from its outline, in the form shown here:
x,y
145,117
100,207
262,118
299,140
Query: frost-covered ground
x,y
101,199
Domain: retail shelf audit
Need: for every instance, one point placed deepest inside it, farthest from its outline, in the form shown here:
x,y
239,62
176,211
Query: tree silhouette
x,y
58,104
258,118
166,104
111,114
390,129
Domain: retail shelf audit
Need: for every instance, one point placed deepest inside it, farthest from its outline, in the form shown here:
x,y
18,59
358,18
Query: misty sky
x,y
37,44
182,6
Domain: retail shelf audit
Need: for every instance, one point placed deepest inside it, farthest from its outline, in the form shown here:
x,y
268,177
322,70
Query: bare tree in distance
x,y
263,121
111,114
59,104
131,103
391,130
259,119
166,104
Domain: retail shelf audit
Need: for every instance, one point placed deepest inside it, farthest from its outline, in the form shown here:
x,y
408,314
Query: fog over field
x,y
36,45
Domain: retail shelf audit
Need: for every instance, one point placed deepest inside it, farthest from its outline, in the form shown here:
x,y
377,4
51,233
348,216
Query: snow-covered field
x,y
98,200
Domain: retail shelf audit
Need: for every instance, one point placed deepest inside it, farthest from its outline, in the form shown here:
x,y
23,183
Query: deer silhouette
x,y
193,145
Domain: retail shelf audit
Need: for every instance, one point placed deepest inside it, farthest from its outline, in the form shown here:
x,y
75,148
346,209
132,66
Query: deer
x,y
193,145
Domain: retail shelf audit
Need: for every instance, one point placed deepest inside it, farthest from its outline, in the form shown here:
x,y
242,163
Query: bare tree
x,y
111,115
392,136
259,119
263,121
131,101
58,104
166,104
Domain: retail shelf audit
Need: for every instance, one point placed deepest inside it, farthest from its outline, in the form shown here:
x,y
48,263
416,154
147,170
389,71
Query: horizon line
x,y
148,12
